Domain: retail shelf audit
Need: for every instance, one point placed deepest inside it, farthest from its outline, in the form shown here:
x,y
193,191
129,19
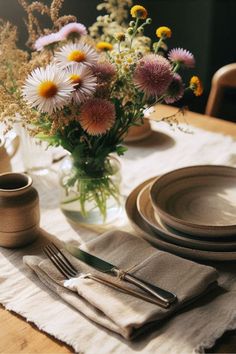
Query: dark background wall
x,y
205,27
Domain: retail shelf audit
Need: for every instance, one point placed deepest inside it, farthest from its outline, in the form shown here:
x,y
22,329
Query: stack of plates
x,y
190,212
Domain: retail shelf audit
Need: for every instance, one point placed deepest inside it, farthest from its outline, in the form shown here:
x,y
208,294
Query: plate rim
x,y
183,222
179,239
181,251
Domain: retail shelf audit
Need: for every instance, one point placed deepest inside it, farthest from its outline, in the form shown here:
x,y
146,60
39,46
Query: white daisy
x,y
84,82
80,53
48,89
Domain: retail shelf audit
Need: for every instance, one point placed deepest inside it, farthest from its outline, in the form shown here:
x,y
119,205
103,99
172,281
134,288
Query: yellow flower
x,y
139,11
196,86
104,46
163,32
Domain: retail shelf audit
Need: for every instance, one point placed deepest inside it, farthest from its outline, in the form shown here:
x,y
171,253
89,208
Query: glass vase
x,y
90,190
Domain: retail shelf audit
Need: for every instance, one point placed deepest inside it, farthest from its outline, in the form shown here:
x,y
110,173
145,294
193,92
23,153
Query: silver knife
x,y
165,296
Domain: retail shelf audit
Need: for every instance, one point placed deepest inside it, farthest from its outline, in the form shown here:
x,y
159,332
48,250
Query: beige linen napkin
x,y
118,311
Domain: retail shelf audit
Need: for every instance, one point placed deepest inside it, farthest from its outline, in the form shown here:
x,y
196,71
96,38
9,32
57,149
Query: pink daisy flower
x,y
153,75
97,116
182,56
45,41
104,71
73,30
176,90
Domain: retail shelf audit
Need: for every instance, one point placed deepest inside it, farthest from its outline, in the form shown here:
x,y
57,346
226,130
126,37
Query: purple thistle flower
x,y
182,56
153,75
176,90
104,71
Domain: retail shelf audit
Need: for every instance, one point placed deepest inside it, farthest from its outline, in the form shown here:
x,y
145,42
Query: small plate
x,y
198,200
139,132
145,231
147,212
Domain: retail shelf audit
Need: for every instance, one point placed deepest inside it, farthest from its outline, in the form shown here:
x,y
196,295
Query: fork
x,y
66,268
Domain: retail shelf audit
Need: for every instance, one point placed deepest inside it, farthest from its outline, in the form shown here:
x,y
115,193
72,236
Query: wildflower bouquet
x,y
87,93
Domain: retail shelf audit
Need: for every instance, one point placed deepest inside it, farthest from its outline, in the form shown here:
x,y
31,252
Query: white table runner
x,y
189,331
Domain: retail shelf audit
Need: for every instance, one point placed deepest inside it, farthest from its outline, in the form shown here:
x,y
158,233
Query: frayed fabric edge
x,y
210,342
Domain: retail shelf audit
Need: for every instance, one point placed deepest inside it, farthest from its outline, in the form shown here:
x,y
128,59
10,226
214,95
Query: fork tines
x,y
60,261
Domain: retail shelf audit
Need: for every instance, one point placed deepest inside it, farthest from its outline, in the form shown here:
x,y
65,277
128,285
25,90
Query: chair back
x,y
223,78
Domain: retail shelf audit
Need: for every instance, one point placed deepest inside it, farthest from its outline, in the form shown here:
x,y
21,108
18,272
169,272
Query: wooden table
x,y
18,336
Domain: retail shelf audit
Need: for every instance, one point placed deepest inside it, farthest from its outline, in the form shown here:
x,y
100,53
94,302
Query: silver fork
x,y
64,266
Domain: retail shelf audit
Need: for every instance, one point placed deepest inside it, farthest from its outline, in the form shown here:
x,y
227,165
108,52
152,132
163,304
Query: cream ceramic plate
x,y
147,212
199,200
146,232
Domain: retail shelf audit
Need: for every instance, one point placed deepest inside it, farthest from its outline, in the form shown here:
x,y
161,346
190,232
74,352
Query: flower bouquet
x,y
84,93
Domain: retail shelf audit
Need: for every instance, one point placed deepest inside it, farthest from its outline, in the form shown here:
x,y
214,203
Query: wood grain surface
x,y
18,336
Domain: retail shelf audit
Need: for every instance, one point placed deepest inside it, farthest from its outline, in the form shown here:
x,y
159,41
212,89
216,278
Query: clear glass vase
x,y
90,190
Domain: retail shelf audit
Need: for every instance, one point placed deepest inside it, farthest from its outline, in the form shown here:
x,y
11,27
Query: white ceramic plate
x,y
147,212
198,200
146,232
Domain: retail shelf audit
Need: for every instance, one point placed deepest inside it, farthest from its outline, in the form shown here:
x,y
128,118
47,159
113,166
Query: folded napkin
x,y
116,310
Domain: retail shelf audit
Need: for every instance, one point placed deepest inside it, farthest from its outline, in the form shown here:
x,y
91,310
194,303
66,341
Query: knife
x,y
163,295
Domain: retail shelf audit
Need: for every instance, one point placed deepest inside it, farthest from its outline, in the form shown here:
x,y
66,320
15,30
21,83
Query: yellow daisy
x,y
163,32
104,46
196,86
138,11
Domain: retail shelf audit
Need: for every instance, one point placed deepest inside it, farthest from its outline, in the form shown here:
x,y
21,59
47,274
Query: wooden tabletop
x,y
18,336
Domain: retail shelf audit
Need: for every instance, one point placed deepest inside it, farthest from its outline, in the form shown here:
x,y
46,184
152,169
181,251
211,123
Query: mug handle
x,y
12,142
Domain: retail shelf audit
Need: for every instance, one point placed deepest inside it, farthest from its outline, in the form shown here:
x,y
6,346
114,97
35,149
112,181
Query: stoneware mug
x,y
19,210
8,148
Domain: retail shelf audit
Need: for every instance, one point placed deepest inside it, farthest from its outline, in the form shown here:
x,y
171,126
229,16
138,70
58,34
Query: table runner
x,y
193,329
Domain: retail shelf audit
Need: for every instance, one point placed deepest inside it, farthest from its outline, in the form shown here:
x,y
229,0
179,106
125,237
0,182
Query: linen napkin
x,y
116,310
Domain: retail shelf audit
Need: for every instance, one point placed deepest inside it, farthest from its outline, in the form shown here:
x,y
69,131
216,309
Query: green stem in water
x,y
96,191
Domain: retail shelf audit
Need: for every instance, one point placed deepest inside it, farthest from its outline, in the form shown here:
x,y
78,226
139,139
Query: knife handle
x,y
115,285
161,294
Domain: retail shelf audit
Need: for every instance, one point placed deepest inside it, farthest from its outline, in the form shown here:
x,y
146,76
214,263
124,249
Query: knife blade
x,y
103,266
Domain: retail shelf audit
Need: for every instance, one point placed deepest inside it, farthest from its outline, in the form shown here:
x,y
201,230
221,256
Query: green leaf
x,y
52,140
120,150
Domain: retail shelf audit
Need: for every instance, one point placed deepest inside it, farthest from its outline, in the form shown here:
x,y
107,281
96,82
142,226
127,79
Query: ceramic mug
x,y
8,148
19,210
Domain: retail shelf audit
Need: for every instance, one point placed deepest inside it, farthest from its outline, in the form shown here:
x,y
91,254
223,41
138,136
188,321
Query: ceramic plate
x,y
146,232
198,200
147,212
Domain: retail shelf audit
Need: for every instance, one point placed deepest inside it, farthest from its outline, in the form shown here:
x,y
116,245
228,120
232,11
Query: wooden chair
x,y
225,77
